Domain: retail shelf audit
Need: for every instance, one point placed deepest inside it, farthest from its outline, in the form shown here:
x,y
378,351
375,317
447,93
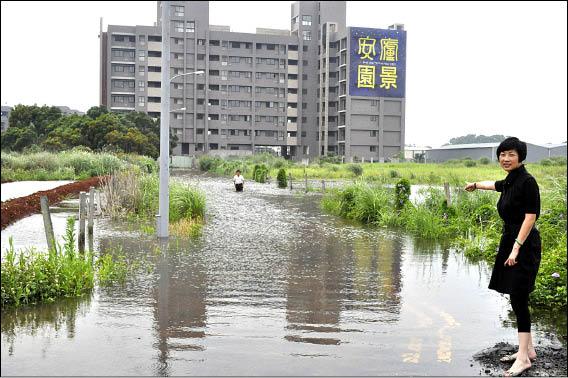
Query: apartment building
x,y
319,88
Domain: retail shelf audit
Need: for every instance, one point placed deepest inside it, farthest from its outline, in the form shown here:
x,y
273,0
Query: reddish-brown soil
x,y
18,208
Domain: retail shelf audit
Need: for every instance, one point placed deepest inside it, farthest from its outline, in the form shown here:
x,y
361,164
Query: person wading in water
x,y
518,257
239,181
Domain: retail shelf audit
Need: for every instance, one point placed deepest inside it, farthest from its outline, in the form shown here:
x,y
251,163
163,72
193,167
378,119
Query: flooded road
x,y
25,188
272,287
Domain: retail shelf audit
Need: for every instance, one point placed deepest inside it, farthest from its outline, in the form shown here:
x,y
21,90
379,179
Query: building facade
x,y
302,93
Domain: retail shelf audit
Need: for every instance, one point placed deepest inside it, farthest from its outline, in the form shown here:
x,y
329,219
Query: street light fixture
x,y
163,217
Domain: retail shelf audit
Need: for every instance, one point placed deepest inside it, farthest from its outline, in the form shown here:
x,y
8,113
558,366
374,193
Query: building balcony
x,y
268,141
291,126
293,70
154,92
154,106
154,76
292,141
293,55
292,97
154,46
293,84
292,112
154,61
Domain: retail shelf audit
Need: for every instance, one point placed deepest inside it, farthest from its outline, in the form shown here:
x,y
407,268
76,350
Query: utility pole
x,y
164,210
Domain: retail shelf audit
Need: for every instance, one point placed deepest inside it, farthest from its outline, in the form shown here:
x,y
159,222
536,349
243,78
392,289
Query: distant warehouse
x,y
477,151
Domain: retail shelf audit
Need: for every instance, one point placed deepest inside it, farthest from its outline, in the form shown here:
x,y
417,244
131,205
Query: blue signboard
x,y
378,62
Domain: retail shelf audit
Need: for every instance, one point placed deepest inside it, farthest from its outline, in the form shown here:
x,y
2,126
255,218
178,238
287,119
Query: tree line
x,y
472,138
100,130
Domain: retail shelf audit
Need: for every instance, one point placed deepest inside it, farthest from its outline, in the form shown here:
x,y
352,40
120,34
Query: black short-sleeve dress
x,y
519,196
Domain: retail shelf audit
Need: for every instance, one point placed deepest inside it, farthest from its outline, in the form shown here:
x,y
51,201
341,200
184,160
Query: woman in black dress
x,y
518,258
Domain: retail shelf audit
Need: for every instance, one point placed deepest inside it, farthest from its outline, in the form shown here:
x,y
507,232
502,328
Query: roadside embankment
x,y
18,208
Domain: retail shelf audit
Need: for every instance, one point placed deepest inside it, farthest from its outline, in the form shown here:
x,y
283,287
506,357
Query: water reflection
x,y
179,307
313,295
54,318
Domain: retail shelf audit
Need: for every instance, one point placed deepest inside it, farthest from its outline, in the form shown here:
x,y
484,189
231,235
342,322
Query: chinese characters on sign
x,y
377,73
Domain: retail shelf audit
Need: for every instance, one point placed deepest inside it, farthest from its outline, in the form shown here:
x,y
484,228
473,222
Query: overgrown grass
x,y
470,223
455,172
69,165
134,196
245,164
30,276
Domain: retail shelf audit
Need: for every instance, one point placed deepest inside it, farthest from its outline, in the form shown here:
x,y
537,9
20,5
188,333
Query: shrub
x,y
402,193
469,163
393,173
356,169
208,163
260,173
281,178
484,161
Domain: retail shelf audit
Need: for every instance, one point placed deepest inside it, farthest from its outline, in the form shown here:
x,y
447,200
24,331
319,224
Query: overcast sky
x,y
472,68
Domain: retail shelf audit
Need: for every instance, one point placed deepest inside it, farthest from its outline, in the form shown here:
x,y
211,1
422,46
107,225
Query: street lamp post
x,y
163,216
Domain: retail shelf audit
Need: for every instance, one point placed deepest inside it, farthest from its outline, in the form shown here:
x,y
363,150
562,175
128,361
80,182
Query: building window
x,y
141,101
141,55
141,86
373,148
190,27
178,26
373,118
141,70
307,35
179,11
307,20
179,116
373,133
201,42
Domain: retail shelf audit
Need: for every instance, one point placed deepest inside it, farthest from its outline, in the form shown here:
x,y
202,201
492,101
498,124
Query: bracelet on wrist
x,y
518,242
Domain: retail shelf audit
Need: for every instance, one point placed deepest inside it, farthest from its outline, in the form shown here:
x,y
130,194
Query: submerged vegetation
x,y
30,276
470,223
134,196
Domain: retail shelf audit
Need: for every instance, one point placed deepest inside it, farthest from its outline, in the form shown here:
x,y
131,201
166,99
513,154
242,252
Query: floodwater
x,y
272,287
25,188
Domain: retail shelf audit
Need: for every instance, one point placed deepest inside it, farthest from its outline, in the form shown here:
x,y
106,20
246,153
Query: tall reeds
x,y
133,195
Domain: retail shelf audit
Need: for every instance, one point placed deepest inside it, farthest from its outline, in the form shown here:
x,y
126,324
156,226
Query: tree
x,y
96,111
41,118
472,138
96,130
67,132
18,138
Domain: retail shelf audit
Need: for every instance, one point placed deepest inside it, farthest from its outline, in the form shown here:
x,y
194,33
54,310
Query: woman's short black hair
x,y
513,143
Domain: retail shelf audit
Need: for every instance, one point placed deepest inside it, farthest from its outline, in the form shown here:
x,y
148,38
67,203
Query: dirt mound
x,y
550,361
18,208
